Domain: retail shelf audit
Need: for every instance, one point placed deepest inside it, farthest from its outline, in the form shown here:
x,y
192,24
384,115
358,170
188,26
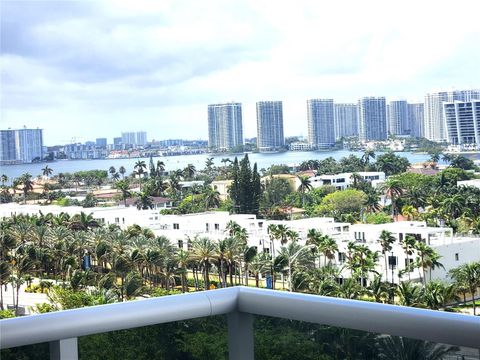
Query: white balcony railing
x,y
62,328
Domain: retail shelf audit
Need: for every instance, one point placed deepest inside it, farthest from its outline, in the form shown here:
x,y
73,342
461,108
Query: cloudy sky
x,y
95,68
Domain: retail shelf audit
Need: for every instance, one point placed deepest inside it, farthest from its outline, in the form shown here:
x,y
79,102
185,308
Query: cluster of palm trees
x,y
83,255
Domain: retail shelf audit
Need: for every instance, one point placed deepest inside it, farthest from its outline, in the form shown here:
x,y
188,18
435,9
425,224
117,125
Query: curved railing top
x,y
436,326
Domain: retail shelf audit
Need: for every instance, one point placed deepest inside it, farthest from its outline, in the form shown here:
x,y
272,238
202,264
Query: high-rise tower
x,y
372,118
398,120
462,120
321,123
346,120
225,128
434,121
270,126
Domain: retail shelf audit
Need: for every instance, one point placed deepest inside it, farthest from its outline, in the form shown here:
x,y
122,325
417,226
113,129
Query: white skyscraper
x,y
270,125
21,145
129,138
434,121
346,120
225,128
372,118
416,116
398,120
141,138
462,120
321,123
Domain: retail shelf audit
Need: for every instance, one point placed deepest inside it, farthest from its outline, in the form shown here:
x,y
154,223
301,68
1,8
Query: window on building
x,y
123,220
456,256
176,226
342,257
207,227
217,226
117,220
260,225
180,244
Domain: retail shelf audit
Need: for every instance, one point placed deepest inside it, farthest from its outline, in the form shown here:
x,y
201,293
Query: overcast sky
x,y
95,68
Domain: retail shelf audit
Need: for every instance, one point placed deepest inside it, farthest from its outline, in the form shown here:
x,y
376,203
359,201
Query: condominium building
x,y
21,146
141,138
225,128
101,143
415,115
129,138
321,120
462,120
434,120
346,120
372,118
270,126
398,119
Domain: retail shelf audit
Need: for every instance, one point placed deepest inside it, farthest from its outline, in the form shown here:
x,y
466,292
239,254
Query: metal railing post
x,y
240,336
65,349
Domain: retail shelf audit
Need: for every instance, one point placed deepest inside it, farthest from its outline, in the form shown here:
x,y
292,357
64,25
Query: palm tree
x,y
393,190
3,179
468,274
27,185
46,171
189,171
408,245
296,256
379,289
122,171
112,170
259,265
182,258
453,206
328,247
140,167
124,187
372,202
386,240
203,250
367,155
160,167
401,348
357,180
410,294
212,198
427,259
144,201
304,186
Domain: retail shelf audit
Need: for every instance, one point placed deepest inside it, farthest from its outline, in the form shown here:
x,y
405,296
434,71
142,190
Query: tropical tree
x,y
402,348
393,189
189,171
408,246
47,171
386,240
410,294
144,201
27,185
112,170
212,198
140,168
204,251
468,275
367,155
124,187
304,186
427,259
297,257
122,171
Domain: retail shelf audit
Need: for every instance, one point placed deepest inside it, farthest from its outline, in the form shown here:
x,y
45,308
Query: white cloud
x,y
156,63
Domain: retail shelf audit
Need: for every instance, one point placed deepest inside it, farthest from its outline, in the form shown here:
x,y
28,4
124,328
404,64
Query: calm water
x,y
179,162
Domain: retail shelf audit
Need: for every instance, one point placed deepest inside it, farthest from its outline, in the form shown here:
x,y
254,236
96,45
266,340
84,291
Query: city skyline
x,y
78,63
